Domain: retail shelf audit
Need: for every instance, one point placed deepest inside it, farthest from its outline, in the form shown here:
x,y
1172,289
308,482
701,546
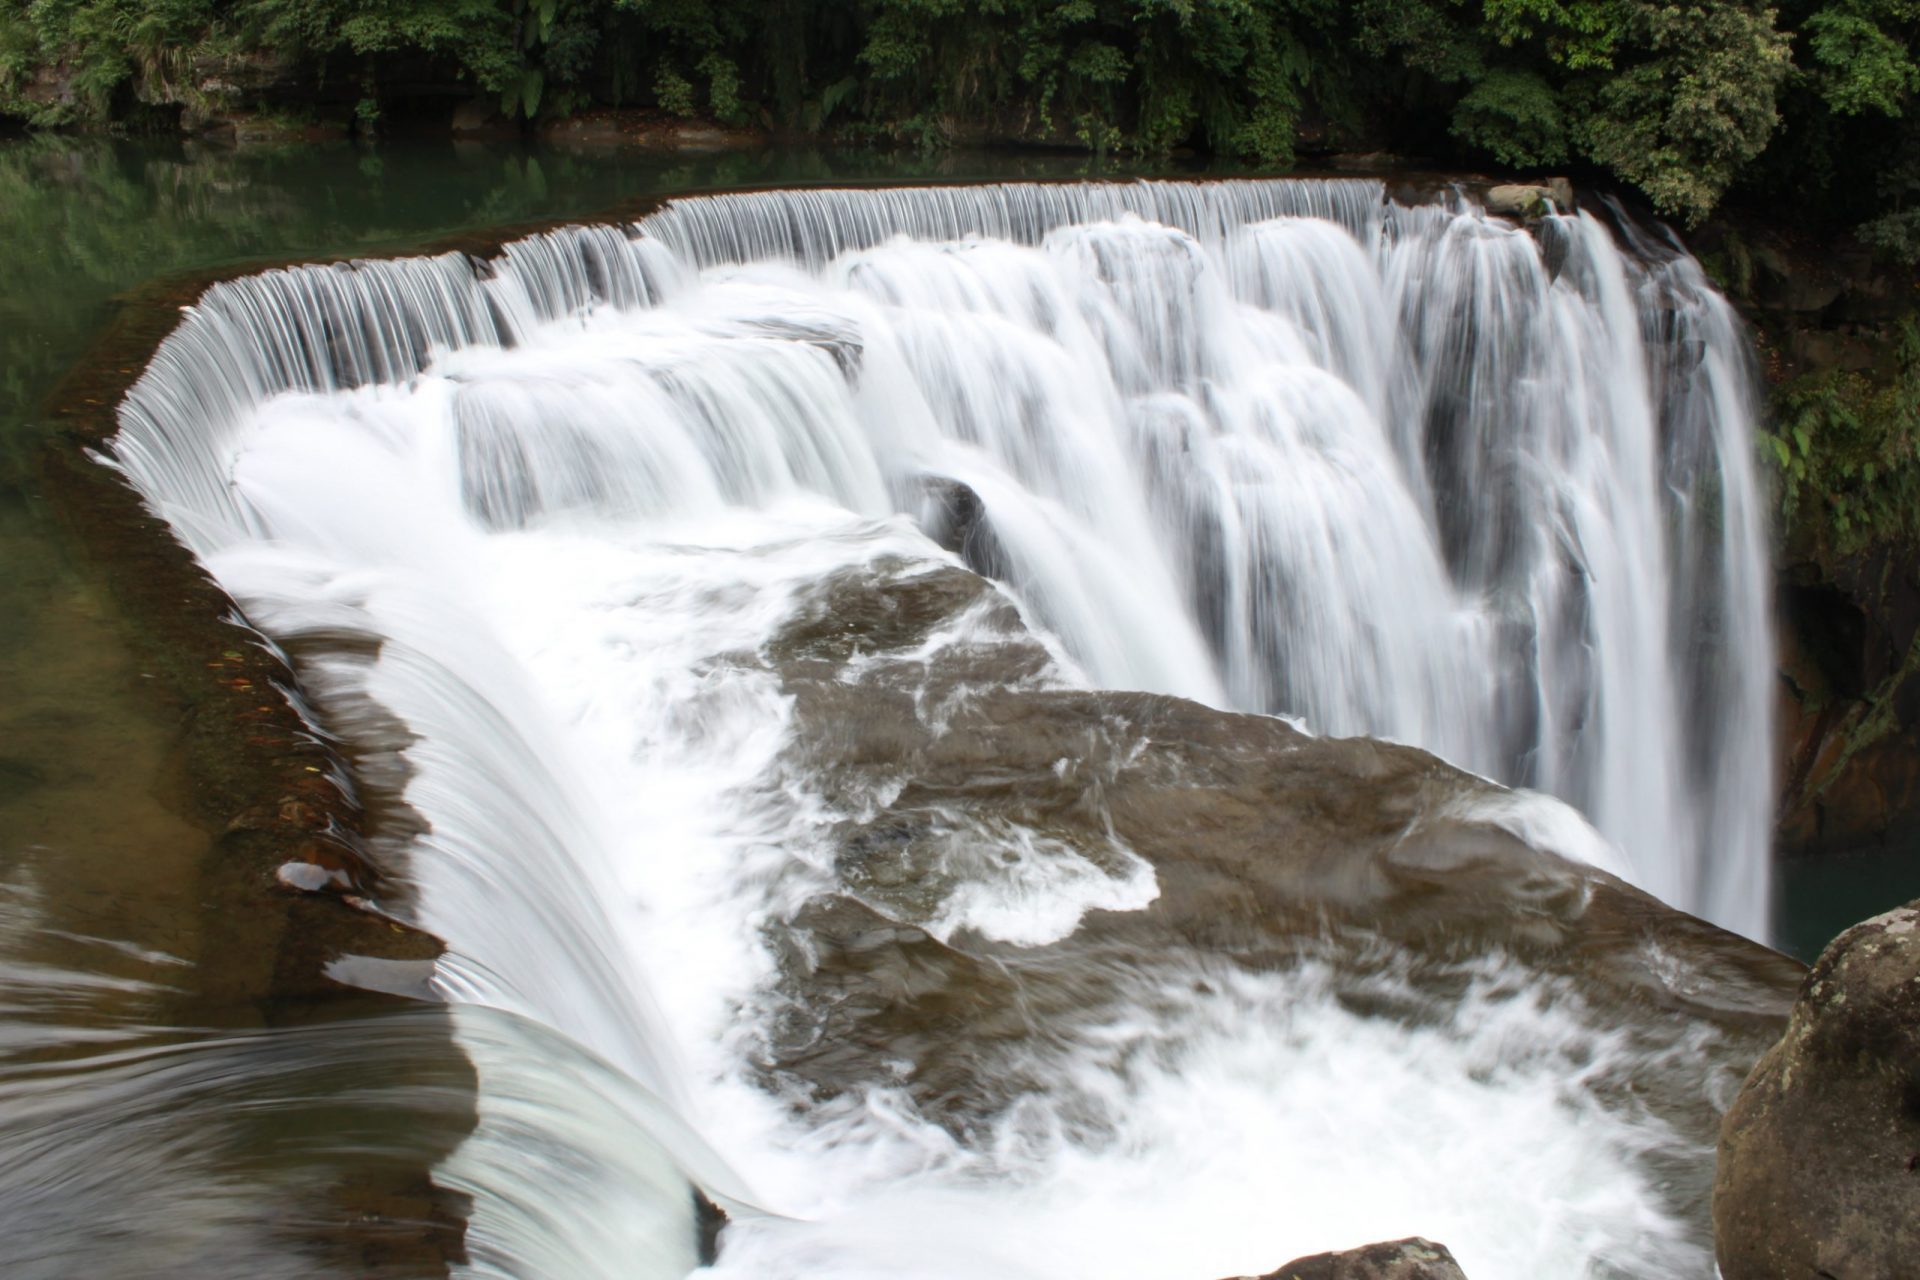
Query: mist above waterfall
x,y
655,540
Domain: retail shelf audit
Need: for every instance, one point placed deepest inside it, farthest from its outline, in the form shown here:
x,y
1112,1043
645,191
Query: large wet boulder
x,y
1211,865
1269,849
1819,1172
1410,1259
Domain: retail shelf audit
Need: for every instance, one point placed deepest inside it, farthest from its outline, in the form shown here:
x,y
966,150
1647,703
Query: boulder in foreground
x,y
1819,1170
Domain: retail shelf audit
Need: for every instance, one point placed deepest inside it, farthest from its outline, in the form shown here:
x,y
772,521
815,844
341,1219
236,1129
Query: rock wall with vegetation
x,y
1835,321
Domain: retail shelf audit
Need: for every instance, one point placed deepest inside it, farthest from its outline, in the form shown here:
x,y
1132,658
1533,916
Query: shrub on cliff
x,y
1847,449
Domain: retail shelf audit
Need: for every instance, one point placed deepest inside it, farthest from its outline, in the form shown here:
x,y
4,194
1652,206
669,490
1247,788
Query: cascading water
x,y
1282,447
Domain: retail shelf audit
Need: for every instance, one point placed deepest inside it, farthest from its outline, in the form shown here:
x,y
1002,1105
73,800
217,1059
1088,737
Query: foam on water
x,y
1283,447
1221,1133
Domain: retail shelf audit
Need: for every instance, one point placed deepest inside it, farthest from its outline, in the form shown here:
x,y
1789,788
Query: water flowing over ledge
x,y
1517,525
565,517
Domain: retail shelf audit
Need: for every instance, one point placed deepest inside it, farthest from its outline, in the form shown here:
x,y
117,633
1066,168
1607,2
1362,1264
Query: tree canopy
x,y
1686,100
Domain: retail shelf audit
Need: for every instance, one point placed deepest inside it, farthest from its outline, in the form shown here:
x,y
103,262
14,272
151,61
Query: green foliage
x,y
1847,450
1681,98
1515,117
1674,96
673,91
1137,75
723,88
1861,65
1846,147
480,36
1895,235
1575,33
104,45
1681,121
1427,38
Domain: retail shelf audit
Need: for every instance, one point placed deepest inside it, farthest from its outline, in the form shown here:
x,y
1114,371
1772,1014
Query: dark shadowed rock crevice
x,y
1849,699
1827,313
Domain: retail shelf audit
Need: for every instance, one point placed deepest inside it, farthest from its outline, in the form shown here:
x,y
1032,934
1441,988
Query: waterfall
x,y
1282,447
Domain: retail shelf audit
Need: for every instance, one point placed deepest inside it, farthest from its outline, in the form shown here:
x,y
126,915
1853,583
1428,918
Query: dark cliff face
x,y
1830,320
1850,698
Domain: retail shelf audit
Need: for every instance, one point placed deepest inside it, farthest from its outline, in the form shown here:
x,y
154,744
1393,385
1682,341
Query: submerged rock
x,y
1409,1259
1819,1171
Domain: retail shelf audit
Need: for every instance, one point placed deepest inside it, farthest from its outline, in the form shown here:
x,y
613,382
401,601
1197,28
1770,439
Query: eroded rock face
x,y
1410,1259
1819,1170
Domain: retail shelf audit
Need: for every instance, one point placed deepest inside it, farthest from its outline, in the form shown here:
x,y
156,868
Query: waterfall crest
x,y
1283,446
584,519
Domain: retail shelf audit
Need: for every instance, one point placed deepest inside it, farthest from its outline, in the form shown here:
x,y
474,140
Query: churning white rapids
x,y
1280,446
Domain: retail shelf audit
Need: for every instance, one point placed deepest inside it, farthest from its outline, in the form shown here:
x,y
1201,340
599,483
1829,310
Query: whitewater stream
x,y
903,706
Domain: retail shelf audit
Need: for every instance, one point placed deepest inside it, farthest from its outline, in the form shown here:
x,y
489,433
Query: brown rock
x,y
654,130
1409,1259
1519,201
1819,1170
1271,850
1365,161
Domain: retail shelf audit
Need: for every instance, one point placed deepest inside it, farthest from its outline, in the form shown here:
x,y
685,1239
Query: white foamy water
x,y
1246,1126
1280,447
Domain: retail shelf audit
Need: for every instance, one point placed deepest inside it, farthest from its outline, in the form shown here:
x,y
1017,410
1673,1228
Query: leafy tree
x,y
1515,116
1683,98
1695,105
1847,155
1859,56
1577,34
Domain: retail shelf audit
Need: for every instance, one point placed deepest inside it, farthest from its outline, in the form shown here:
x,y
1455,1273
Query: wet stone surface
x,y
1271,851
